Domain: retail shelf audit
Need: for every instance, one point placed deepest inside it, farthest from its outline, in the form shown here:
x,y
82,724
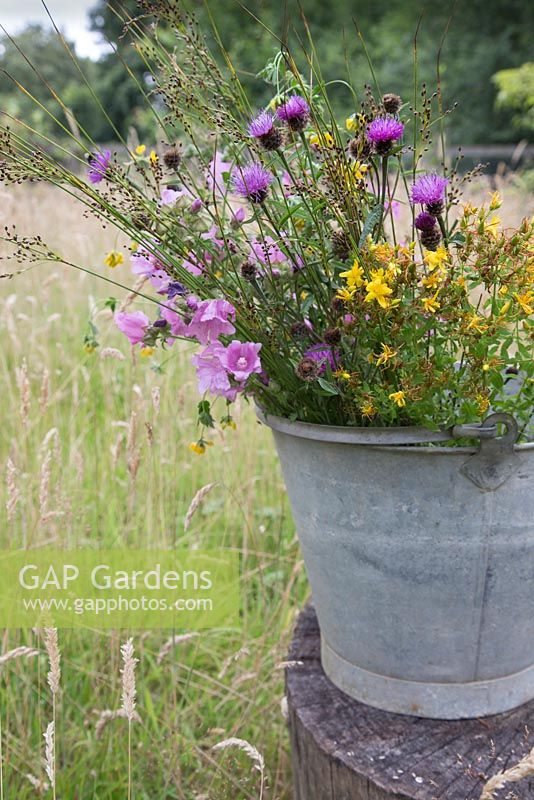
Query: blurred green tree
x,y
516,94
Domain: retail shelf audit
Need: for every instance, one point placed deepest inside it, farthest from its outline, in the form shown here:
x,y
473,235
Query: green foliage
x,y
516,93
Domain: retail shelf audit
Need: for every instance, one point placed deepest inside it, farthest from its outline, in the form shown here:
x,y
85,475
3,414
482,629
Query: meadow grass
x,y
95,450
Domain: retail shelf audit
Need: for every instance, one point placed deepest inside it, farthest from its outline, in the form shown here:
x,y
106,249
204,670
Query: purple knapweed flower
x,y
133,324
322,354
211,374
211,319
425,221
242,359
429,190
383,132
262,128
98,166
252,182
295,112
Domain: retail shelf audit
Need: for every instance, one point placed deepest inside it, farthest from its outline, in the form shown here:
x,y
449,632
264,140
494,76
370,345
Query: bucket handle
x,y
496,459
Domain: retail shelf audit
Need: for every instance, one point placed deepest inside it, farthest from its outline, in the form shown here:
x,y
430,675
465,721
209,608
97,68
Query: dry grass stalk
x,y
128,300
195,503
44,484
45,390
149,433
254,755
50,760
523,769
41,787
23,384
18,652
132,453
13,494
156,398
107,716
52,437
111,352
128,679
54,657
172,642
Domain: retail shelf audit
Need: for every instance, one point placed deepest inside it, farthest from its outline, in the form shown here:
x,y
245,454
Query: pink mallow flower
x,y
242,359
211,374
133,324
211,319
176,323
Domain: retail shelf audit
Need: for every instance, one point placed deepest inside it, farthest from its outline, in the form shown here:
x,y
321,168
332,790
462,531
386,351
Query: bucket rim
x,y
378,437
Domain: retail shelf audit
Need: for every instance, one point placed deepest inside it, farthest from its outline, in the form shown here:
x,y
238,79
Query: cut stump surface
x,y
345,750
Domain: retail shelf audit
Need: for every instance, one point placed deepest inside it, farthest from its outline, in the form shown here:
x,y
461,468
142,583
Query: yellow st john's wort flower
x,y
495,202
436,258
113,259
503,291
322,139
377,289
368,410
398,398
386,355
435,278
493,225
431,304
505,309
342,373
482,402
383,252
351,124
353,276
146,352
200,447
477,323
345,294
526,301
153,157
140,149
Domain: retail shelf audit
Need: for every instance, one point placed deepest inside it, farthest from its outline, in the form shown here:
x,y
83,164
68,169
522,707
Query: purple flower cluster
x,y
429,190
223,371
383,132
98,166
295,112
252,182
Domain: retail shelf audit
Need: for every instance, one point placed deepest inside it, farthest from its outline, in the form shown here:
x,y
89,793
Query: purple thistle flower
x,y
252,182
425,221
262,128
382,132
429,190
98,165
322,354
294,112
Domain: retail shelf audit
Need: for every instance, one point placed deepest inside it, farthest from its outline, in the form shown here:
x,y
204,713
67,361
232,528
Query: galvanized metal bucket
x,y
420,560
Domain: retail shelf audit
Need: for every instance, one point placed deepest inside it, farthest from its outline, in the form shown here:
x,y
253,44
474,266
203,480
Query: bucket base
x,y
431,700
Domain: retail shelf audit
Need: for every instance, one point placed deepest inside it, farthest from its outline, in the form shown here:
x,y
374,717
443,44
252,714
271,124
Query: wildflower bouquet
x,y
270,238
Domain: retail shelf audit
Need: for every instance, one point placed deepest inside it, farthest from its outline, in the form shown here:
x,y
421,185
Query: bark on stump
x,y
345,750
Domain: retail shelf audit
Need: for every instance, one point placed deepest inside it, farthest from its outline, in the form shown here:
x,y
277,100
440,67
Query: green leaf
x,y
329,388
370,222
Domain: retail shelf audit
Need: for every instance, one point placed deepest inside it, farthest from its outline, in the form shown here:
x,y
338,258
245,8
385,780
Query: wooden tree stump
x,y
345,750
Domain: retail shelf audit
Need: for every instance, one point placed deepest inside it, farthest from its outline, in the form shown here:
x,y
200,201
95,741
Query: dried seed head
x,y
299,330
391,102
272,140
172,157
359,148
332,336
307,369
249,271
340,243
